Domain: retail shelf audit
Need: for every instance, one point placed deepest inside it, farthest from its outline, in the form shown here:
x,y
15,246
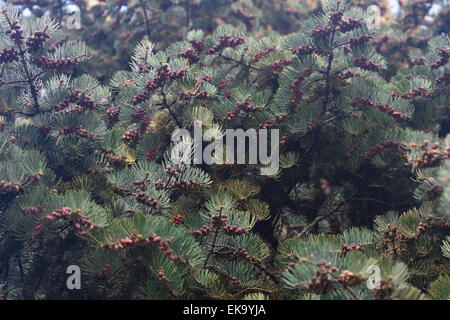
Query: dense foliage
x,y
88,177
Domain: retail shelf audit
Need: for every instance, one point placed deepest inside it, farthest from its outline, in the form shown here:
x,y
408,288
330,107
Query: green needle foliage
x,y
359,208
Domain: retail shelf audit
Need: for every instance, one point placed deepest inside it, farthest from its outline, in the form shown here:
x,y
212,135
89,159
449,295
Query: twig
x,y
30,80
188,13
213,245
219,55
147,22
166,105
309,227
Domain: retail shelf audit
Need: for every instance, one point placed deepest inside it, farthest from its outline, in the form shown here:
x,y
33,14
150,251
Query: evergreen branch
x,y
213,245
328,70
29,79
